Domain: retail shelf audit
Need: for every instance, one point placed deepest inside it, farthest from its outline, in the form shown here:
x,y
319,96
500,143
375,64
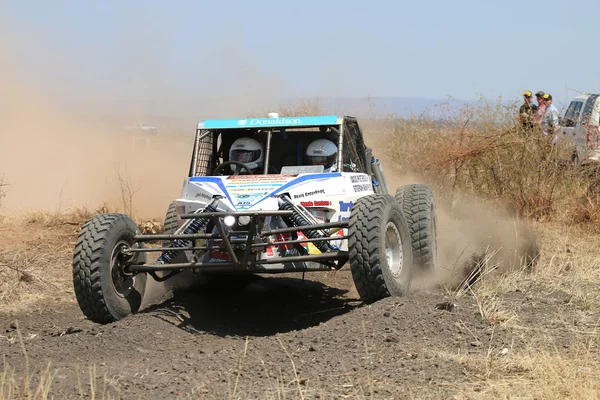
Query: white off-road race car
x,y
265,196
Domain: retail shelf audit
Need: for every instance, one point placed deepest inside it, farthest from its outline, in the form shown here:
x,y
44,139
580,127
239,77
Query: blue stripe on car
x,y
268,122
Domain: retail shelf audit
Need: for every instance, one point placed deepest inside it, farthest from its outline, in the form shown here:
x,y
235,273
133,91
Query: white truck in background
x,y
580,124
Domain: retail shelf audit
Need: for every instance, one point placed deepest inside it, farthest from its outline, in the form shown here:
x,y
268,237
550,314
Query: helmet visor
x,y
320,160
326,161
245,156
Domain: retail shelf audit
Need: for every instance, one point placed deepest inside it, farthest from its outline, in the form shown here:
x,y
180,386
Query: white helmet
x,y
248,151
322,152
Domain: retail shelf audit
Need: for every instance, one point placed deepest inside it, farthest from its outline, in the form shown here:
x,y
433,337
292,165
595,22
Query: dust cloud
x,y
469,233
63,140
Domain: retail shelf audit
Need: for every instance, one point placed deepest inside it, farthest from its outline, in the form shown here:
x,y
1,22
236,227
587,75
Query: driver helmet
x,y
322,152
248,151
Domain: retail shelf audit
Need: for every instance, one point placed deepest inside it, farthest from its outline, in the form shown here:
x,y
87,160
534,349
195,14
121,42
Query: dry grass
x,y
37,385
533,372
24,387
36,251
558,357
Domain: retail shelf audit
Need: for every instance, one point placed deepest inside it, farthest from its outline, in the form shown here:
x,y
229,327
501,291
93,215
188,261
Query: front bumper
x,y
246,249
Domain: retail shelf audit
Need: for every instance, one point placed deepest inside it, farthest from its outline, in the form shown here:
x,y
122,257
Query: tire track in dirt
x,y
193,342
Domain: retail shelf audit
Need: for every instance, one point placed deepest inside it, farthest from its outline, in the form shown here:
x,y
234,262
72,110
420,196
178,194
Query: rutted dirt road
x,y
281,337
304,339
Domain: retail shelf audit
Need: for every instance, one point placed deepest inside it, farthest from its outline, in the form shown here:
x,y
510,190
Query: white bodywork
x,y
585,125
329,197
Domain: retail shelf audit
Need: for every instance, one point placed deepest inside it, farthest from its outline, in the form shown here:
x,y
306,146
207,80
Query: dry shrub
x,y
585,208
480,151
3,188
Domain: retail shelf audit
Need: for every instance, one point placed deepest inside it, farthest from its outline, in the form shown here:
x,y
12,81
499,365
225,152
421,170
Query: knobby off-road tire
x,y
104,296
171,225
418,205
380,253
171,221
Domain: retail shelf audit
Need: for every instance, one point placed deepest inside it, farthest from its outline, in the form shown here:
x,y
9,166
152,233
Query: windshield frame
x,y
215,136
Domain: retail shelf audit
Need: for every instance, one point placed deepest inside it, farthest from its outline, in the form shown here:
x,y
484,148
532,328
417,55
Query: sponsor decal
x,y
218,255
316,203
283,250
275,121
260,122
362,187
307,194
345,207
254,185
359,179
259,178
203,195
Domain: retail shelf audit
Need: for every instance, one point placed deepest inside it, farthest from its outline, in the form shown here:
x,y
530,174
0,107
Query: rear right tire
x,y
418,206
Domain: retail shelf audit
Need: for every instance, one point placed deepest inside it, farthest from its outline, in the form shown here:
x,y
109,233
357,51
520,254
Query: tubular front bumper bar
x,y
240,259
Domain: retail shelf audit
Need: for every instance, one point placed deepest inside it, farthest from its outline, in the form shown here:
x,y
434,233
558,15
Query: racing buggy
x,y
265,196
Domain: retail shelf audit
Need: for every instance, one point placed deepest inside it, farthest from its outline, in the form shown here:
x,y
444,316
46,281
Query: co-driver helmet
x,y
322,152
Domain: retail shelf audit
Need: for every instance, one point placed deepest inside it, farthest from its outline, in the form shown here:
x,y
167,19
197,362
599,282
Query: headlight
x,y
229,220
244,220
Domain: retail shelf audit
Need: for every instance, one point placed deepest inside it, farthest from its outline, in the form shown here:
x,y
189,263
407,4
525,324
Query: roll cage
x,y
284,140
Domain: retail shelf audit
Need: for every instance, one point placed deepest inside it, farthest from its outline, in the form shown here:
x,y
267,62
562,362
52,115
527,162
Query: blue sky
x,y
165,51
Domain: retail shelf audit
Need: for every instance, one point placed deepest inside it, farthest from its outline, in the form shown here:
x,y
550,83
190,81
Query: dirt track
x,y
537,333
193,343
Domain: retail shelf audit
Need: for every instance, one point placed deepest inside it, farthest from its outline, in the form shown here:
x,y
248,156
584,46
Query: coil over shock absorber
x,y
297,219
195,226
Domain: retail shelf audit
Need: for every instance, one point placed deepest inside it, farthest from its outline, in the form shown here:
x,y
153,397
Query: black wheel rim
x,y
121,283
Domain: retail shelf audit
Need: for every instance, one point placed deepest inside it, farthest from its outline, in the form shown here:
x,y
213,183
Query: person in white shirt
x,y
550,123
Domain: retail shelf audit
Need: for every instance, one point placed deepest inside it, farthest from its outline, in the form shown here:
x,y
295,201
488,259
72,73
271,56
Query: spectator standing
x,y
550,123
541,109
527,111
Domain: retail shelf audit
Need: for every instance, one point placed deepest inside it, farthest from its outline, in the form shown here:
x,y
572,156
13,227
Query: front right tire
x,y
380,253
